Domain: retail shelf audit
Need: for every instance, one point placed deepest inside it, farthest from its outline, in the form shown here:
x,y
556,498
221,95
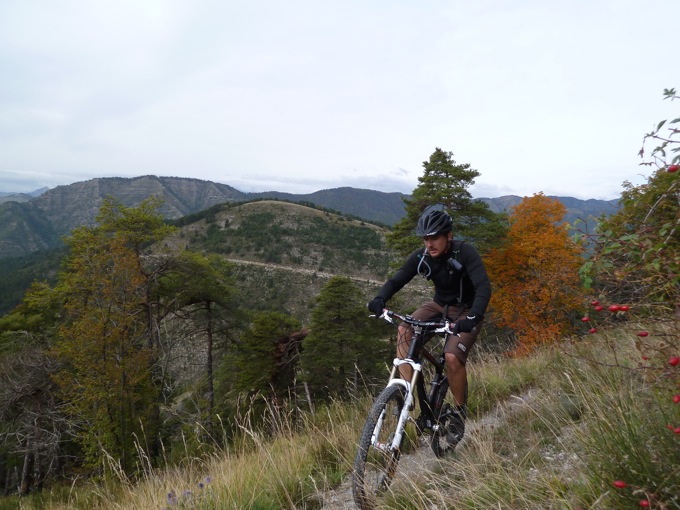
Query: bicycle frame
x,y
416,349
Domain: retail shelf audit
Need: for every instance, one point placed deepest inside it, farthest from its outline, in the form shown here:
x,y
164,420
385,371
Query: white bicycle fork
x,y
405,410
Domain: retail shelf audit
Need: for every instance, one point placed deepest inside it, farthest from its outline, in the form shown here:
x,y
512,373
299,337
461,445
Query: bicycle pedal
x,y
446,413
423,425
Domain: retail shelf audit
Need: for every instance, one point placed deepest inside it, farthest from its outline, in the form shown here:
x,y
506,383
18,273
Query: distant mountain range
x,y
577,209
37,221
21,197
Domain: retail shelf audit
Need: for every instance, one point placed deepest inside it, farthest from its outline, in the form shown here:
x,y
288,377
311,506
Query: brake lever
x,y
386,317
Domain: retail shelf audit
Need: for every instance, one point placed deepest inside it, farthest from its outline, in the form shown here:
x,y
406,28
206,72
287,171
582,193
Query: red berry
x,y
594,302
624,308
619,484
676,430
645,358
585,319
592,330
674,361
614,308
599,308
673,168
644,502
643,333
676,399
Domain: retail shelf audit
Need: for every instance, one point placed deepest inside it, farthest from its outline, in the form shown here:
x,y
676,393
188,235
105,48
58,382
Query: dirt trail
x,y
422,462
303,270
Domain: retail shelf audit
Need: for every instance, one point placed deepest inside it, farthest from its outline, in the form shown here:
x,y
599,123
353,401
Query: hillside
x,y
547,431
24,229
21,197
284,252
31,232
43,220
65,207
15,197
385,208
553,430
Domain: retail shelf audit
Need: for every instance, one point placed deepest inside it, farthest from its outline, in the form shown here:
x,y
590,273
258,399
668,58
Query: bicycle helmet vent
x,y
434,221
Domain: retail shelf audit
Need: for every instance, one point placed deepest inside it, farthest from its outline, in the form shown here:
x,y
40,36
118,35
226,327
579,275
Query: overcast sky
x,y
297,96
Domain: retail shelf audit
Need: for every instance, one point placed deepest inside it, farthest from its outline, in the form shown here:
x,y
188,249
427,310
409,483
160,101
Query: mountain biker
x,y
461,285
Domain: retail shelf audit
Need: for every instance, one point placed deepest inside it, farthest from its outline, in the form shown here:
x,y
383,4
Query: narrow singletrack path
x,y
422,463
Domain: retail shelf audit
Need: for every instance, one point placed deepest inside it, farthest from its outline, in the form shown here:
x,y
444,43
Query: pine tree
x,y
205,298
340,352
265,358
446,182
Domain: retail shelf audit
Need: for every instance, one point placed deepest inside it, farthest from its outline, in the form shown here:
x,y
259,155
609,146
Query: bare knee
x,y
453,364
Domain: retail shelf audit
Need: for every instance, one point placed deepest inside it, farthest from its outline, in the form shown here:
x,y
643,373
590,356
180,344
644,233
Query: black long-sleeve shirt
x,y
469,286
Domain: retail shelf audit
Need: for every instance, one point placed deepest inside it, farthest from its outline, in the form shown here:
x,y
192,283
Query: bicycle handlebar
x,y
439,326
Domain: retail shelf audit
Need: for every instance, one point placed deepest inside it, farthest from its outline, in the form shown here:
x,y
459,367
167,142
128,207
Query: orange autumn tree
x,y
535,274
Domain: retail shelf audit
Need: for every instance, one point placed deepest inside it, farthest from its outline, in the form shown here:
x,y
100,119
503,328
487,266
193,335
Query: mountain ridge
x,y
40,222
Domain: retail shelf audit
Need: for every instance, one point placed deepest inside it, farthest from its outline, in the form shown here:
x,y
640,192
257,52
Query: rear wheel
x,y
440,444
376,460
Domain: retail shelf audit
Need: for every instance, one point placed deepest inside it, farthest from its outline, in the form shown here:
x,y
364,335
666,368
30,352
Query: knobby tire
x,y
375,465
438,442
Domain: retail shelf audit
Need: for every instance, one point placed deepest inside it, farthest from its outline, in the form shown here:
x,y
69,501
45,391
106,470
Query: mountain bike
x,y
380,444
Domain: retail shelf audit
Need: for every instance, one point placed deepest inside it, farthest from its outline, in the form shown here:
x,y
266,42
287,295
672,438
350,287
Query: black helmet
x,y
434,221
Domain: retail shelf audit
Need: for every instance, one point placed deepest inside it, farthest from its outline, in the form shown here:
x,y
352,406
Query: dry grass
x,y
550,431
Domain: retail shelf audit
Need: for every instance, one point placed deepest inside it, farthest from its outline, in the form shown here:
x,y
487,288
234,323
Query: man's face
x,y
436,245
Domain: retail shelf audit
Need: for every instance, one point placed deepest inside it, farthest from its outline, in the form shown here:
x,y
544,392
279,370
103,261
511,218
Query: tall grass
x,y
285,469
597,412
549,431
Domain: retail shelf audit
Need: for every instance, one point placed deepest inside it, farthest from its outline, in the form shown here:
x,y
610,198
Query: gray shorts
x,y
460,346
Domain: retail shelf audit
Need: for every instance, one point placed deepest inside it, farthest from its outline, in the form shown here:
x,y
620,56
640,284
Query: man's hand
x,y
377,305
465,325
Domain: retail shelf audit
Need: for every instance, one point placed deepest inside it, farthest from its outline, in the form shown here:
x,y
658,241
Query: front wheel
x,y
376,461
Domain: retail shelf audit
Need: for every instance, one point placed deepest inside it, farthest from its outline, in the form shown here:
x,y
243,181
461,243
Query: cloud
x,y
305,95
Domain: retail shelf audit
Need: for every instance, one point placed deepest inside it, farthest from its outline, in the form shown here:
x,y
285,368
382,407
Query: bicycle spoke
x,y
377,458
